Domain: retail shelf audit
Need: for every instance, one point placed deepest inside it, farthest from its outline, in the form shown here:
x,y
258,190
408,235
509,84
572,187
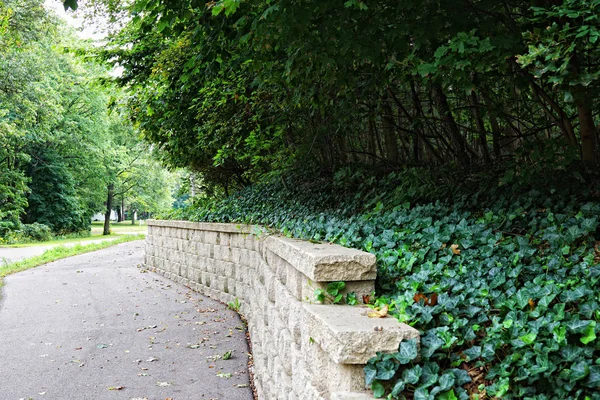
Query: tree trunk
x,y
417,142
588,133
122,216
480,126
457,140
371,145
133,216
391,142
493,122
109,202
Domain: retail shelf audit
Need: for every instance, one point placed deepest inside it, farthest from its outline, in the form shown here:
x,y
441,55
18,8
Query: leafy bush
x,y
26,233
503,288
36,232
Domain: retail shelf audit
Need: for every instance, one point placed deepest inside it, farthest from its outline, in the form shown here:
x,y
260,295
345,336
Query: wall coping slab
x,y
349,336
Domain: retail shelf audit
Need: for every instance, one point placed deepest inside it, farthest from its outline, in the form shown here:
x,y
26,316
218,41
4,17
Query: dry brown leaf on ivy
x,y
381,313
455,249
432,301
531,303
428,301
419,296
366,299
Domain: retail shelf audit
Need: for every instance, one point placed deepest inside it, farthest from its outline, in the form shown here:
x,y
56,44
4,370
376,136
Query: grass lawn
x,y
117,227
56,253
117,230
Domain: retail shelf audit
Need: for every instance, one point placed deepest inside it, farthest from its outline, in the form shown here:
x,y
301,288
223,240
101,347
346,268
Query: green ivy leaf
x,y
386,369
449,395
398,387
528,338
579,371
421,394
412,375
407,351
462,377
446,381
473,353
593,380
334,288
378,389
370,373
500,388
430,374
589,334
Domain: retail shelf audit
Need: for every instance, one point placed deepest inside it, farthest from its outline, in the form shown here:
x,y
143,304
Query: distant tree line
x,y
64,139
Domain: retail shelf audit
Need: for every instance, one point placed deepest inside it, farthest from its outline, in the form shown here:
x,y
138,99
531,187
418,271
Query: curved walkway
x,y
95,327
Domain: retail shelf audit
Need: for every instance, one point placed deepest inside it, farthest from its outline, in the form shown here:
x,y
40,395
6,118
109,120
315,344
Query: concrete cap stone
x,y
324,262
349,336
209,226
352,396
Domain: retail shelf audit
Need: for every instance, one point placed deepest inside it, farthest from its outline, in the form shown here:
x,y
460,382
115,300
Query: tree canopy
x,y
237,89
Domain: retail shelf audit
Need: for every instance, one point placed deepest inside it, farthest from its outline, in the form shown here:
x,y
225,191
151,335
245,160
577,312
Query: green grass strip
x,y
59,252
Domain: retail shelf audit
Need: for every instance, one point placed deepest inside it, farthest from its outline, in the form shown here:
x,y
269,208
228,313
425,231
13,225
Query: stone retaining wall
x,y
301,350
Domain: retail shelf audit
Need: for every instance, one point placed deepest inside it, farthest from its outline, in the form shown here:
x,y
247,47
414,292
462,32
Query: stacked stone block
x,y
301,350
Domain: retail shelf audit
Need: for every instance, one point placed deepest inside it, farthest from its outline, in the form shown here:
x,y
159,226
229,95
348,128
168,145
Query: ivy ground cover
x,y
503,288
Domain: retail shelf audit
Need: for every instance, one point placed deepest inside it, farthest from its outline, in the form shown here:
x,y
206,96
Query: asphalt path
x,y
95,326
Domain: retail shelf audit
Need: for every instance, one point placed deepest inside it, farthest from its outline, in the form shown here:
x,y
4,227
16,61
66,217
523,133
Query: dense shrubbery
x,y
25,233
36,232
514,268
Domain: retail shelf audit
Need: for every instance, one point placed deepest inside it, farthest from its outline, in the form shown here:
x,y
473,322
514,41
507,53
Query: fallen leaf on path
x,y
116,388
225,375
163,384
102,346
379,313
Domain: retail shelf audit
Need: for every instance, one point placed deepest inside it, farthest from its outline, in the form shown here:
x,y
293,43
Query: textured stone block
x,y
222,253
349,336
211,237
324,262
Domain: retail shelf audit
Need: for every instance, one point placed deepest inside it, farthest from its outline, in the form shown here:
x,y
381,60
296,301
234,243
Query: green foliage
x,y
234,305
53,199
26,233
514,267
50,109
36,232
562,43
333,293
236,90
63,137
